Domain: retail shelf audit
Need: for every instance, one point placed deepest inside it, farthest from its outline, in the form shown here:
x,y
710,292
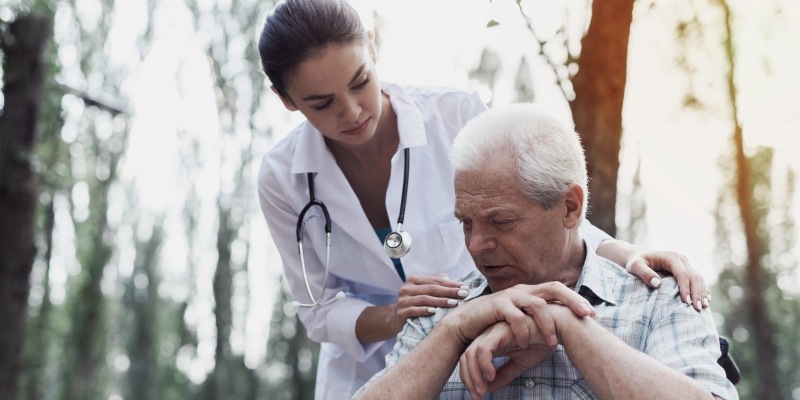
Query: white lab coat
x,y
428,120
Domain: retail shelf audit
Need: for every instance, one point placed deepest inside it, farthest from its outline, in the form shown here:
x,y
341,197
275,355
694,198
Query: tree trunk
x,y
143,302
40,335
219,384
23,46
768,387
599,89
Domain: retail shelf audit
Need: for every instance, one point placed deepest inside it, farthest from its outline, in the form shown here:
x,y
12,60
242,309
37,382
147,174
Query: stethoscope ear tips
x,y
397,244
339,295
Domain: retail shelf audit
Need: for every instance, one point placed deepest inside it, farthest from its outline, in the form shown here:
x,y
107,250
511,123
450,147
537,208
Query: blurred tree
x,y
523,82
757,312
44,320
23,44
229,44
100,142
777,265
292,356
487,69
599,87
593,82
149,324
746,186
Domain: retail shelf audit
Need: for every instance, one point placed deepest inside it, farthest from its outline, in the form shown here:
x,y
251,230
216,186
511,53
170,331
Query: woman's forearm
x,y
377,323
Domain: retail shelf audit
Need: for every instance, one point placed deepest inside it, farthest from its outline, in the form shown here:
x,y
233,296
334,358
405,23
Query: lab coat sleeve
x,y
335,322
592,234
473,106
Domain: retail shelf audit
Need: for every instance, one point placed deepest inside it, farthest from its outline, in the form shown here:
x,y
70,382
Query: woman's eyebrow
x,y
313,97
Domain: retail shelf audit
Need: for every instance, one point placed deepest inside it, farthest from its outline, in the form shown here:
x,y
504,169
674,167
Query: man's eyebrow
x,y
358,73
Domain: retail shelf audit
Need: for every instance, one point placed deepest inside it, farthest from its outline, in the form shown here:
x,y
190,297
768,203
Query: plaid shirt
x,y
654,321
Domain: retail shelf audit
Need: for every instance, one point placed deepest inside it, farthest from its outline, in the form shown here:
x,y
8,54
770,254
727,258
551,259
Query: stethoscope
x,y
396,244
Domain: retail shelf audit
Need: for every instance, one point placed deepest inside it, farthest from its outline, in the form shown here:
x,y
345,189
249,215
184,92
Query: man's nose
x,y
478,242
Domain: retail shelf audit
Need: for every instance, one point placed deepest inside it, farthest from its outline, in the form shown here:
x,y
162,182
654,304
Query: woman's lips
x,y
358,129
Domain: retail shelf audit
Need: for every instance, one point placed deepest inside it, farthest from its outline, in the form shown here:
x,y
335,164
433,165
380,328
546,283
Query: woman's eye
x,y
361,85
324,105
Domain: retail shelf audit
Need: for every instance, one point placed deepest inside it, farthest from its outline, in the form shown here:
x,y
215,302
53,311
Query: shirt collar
x,y
597,279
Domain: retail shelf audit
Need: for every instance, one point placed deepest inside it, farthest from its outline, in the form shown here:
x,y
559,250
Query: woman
x,y
351,154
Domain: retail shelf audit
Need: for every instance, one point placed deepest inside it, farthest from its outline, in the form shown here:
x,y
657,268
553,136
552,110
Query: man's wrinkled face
x,y
512,239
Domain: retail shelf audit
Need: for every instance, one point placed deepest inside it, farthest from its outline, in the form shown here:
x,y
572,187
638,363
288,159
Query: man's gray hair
x,y
547,151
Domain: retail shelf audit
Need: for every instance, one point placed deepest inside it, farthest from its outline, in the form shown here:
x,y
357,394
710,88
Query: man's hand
x,y
477,371
514,306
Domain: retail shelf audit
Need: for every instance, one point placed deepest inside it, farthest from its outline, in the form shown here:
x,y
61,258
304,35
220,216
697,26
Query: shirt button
x,y
530,383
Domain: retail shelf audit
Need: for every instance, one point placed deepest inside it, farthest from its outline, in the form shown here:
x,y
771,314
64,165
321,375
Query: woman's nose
x,y
352,109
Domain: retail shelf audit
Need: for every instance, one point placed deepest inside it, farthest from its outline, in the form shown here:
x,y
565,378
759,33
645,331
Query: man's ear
x,y
573,200
288,103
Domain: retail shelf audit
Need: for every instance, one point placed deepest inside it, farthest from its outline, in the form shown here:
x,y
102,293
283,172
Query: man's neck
x,y
575,259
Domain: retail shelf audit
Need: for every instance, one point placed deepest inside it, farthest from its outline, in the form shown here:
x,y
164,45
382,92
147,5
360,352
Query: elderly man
x,y
544,317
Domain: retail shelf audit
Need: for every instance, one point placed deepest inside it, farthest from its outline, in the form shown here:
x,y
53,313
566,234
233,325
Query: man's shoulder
x,y
625,287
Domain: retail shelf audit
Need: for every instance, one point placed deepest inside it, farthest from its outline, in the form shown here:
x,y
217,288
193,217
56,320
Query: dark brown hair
x,y
298,29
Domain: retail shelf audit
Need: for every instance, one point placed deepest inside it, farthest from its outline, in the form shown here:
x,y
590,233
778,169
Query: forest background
x,y
130,158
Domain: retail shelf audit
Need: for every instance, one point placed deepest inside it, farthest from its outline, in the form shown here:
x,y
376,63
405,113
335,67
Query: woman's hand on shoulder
x,y
693,287
421,295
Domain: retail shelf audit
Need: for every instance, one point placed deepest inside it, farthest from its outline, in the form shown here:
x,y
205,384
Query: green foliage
x,y
730,299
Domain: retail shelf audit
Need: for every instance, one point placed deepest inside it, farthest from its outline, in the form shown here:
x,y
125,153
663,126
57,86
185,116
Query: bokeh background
x,y
155,276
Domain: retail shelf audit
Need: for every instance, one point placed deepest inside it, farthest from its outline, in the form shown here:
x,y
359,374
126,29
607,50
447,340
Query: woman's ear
x,y
573,201
373,51
287,102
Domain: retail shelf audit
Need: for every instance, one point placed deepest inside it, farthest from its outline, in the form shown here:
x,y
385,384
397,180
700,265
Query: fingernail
x,y
444,276
705,301
431,310
464,287
452,302
708,296
699,305
655,282
463,293
553,341
689,299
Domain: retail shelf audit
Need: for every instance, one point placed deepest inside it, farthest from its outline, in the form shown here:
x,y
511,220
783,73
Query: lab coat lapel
x,y
332,188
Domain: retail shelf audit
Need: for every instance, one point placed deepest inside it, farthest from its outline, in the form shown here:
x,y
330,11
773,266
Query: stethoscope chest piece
x,y
398,243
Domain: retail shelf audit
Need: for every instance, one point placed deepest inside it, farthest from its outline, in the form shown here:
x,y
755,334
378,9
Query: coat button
x,y
530,383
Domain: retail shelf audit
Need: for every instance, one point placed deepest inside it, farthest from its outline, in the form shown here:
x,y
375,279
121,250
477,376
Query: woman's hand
x,y
646,263
693,288
421,295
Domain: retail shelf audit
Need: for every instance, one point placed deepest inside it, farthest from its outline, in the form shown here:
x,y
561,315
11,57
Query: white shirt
x,y
428,120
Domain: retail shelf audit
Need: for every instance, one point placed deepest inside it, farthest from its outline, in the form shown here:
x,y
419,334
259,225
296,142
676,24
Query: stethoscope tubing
x,y
313,202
